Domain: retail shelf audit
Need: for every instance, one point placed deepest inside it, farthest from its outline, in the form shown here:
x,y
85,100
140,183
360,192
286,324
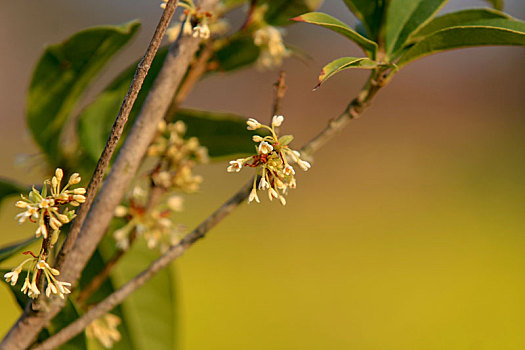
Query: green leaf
x,y
237,53
93,268
224,134
67,315
345,63
404,17
279,12
456,19
11,249
96,120
285,139
9,188
487,32
61,76
497,4
327,21
370,13
150,311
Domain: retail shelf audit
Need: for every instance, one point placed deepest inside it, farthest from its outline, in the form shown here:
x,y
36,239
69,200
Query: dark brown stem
x,y
280,89
353,111
21,335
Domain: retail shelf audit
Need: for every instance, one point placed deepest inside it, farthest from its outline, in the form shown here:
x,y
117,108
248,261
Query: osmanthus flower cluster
x,y
193,21
273,50
105,330
155,225
273,162
175,158
49,209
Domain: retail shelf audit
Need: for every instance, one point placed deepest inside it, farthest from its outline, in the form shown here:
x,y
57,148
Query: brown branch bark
x,y
353,111
97,219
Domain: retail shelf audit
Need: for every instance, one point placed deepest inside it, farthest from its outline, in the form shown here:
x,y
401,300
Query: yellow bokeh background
x,y
407,233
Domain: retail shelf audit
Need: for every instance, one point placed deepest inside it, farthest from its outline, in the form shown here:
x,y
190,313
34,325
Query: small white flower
x,y
263,184
121,211
11,277
201,31
253,124
265,148
283,200
288,170
277,120
175,203
255,138
235,166
272,194
253,195
74,179
303,164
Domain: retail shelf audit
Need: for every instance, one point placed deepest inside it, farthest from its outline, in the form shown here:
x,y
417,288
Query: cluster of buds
x,y
104,329
155,225
193,22
43,207
37,267
272,161
273,50
48,209
178,157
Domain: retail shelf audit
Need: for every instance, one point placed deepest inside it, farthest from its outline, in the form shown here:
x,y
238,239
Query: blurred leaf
x,y
327,21
62,75
370,13
285,139
150,311
94,267
96,120
280,12
486,32
497,4
345,63
404,17
68,314
9,188
456,19
11,249
224,134
237,53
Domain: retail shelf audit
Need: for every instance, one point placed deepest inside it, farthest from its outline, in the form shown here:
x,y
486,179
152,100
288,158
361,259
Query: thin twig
x,y
280,90
353,111
30,323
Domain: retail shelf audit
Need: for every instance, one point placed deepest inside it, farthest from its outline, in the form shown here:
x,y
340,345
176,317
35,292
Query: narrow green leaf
x,y
11,249
285,139
456,19
279,12
488,32
370,13
404,17
345,63
327,21
61,76
224,134
10,188
497,4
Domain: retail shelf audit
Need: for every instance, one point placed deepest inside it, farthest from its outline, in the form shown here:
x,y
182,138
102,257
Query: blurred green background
x,y
407,233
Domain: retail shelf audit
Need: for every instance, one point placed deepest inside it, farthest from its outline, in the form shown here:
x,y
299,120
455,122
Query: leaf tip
x,y
297,19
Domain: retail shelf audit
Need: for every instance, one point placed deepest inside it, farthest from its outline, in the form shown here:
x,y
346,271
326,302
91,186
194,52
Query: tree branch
x,y
353,111
96,221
